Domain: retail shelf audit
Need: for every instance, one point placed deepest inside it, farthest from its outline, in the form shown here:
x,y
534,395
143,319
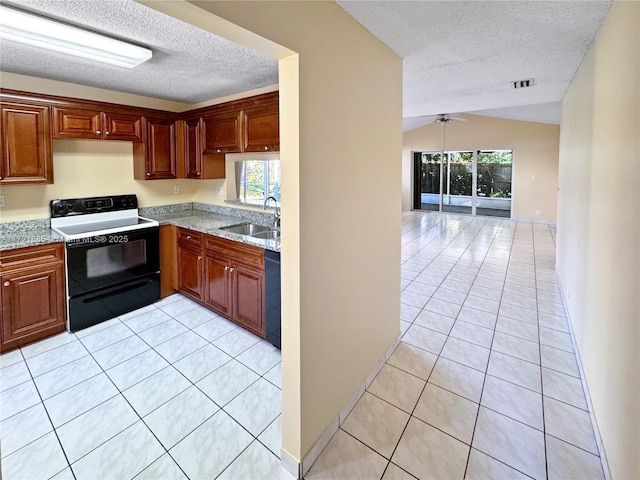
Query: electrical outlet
x,y
176,189
538,212
1,201
533,177
219,191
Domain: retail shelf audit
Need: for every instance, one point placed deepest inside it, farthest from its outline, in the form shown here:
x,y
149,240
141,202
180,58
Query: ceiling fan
x,y
445,118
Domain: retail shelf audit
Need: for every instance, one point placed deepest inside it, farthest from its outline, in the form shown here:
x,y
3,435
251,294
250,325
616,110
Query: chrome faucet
x,y
276,213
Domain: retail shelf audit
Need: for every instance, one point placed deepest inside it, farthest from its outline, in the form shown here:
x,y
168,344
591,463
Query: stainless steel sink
x,y
269,234
253,230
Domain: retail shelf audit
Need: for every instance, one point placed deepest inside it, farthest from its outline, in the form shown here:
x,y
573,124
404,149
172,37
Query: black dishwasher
x,y
272,296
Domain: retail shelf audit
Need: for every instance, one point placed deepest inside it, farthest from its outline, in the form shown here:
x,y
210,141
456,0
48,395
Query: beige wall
x,y
84,168
599,229
341,140
535,152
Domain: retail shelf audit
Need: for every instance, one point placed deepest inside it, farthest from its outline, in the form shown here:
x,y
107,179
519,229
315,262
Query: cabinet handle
x,y
266,148
199,257
107,132
231,269
7,283
148,174
188,237
218,150
98,132
198,173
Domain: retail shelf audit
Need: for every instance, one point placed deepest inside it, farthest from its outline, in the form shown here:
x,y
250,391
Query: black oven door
x,y
104,261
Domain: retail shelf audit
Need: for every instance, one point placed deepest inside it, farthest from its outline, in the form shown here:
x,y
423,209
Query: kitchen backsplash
x,y
249,215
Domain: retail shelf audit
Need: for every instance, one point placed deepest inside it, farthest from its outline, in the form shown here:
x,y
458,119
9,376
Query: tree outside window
x,y
260,179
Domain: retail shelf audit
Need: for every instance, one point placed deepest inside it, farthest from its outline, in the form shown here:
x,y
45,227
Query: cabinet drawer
x,y
237,251
189,238
23,257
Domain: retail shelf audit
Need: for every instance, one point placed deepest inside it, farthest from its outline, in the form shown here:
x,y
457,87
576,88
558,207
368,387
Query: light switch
x,y
533,177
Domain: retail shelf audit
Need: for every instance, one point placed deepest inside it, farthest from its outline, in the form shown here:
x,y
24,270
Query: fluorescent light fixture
x,y
23,27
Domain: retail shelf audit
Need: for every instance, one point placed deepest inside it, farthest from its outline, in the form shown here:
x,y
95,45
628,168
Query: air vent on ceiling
x,y
523,83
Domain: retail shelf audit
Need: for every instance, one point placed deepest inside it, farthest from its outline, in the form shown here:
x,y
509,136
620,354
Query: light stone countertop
x,y
28,238
27,234
37,232
210,223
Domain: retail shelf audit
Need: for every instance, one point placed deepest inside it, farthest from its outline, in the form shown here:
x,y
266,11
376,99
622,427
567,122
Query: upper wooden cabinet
x,y
122,126
261,128
247,125
193,148
155,157
71,122
197,162
222,132
166,145
25,144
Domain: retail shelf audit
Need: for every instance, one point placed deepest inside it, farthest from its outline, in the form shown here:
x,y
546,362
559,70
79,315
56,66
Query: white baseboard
x,y
583,379
299,470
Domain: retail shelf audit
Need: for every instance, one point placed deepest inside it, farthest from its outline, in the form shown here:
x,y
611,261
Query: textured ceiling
x,y
462,56
459,56
189,65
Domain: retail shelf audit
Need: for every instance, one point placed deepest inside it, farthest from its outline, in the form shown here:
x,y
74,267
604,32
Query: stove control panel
x,y
83,206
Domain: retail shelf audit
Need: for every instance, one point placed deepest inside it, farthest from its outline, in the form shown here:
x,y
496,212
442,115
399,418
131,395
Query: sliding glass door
x,y
428,180
494,183
469,182
458,174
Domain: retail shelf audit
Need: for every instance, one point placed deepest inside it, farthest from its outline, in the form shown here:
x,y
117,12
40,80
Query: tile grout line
x,y
484,379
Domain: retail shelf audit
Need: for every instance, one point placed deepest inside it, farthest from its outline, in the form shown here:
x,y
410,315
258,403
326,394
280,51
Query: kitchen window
x,y
257,179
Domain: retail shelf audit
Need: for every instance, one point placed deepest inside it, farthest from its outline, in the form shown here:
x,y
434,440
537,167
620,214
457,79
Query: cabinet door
x,y
261,129
222,133
77,123
25,144
217,287
122,126
248,305
33,304
160,148
190,272
193,148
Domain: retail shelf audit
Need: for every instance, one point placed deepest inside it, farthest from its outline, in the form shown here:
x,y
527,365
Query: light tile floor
x,y
170,391
484,384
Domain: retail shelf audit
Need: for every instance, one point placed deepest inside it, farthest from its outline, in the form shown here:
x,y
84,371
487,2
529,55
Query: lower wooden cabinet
x,y
247,287
224,275
33,294
190,272
217,286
